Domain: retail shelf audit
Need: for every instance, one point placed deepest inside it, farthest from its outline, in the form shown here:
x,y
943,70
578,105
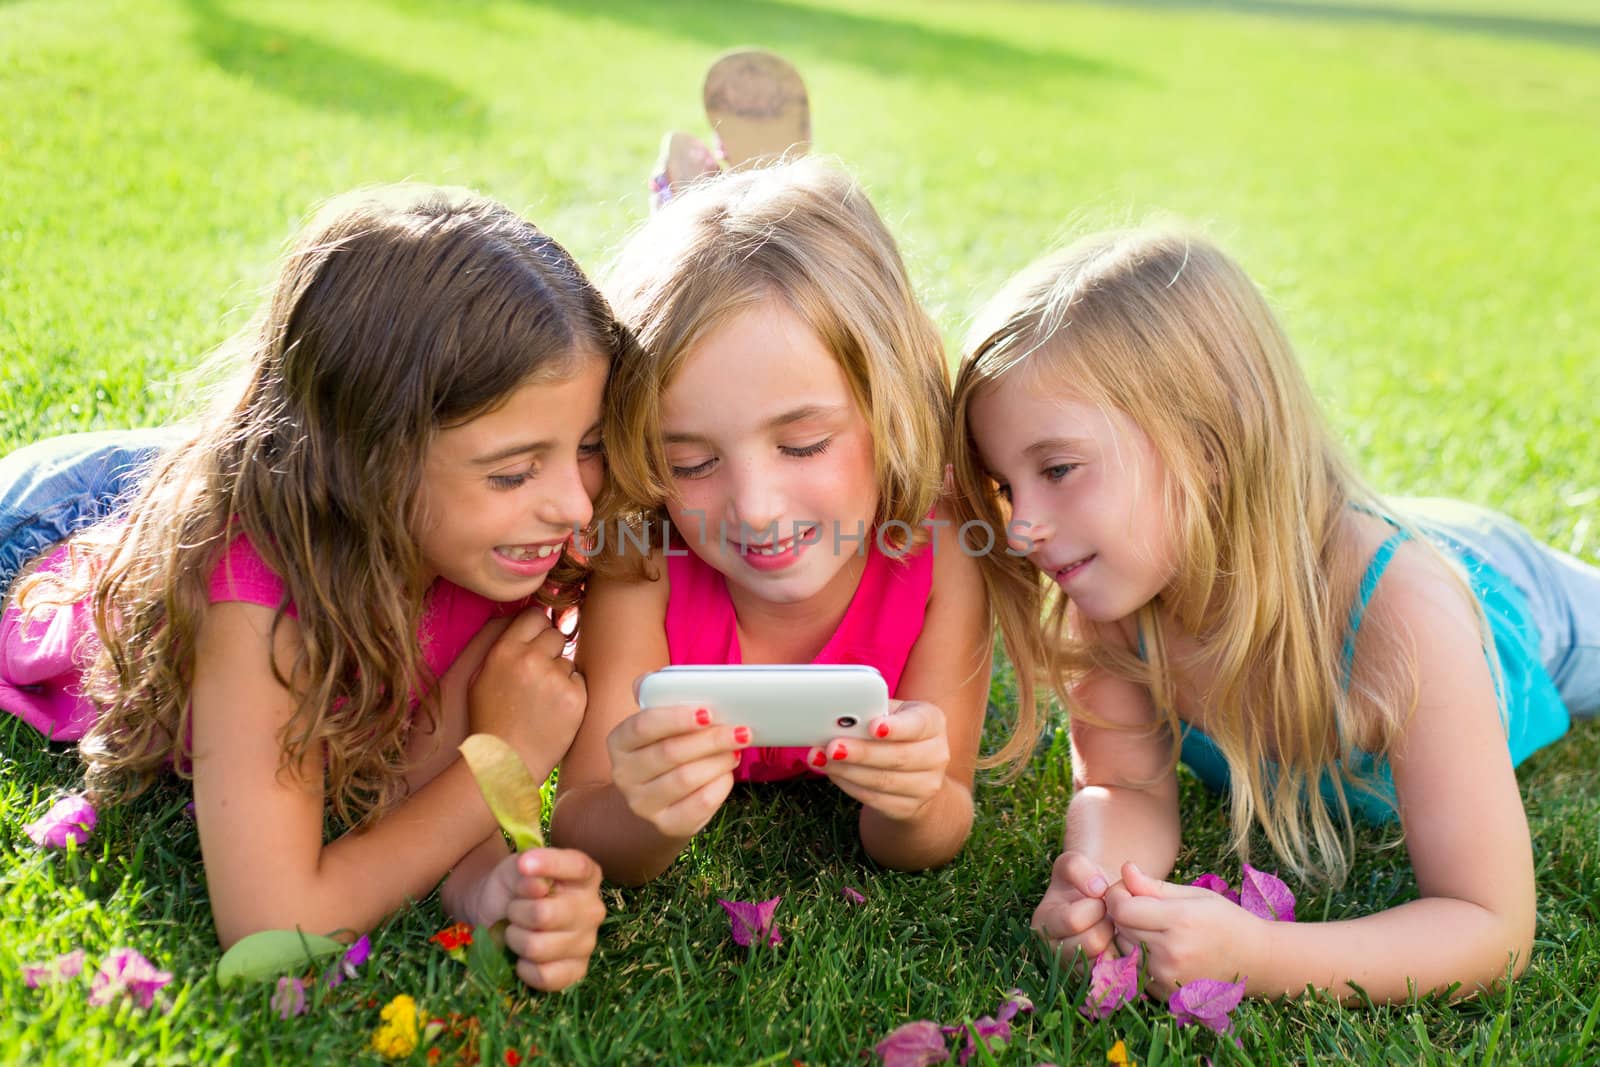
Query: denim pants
x,y
52,488
1562,591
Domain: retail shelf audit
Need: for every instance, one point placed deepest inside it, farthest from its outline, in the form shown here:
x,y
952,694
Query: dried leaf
x,y
507,788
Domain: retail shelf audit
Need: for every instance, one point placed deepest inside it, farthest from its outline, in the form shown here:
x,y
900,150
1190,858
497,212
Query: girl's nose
x,y
1026,530
569,503
756,504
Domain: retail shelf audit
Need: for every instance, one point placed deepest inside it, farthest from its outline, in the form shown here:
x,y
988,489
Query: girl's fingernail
x,y
881,730
1097,885
818,759
702,717
838,752
741,735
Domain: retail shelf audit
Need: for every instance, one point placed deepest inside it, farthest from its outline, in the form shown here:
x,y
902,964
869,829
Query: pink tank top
x,y
42,661
879,628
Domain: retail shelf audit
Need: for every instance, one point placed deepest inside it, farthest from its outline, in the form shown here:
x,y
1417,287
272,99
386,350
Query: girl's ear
x,y
949,479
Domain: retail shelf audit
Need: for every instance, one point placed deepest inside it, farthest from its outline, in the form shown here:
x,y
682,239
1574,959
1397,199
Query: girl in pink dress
x,y
350,566
779,447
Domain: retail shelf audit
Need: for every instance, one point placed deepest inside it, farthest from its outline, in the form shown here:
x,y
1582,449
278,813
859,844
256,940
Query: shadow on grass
x,y
1549,31
884,45
325,76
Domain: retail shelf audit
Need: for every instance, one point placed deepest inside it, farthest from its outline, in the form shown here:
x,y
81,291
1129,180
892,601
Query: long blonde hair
x,y
1164,327
397,312
803,232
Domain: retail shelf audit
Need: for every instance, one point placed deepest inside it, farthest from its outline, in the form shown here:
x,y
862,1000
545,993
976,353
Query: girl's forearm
x,y
461,891
1422,946
362,877
1112,825
597,820
931,837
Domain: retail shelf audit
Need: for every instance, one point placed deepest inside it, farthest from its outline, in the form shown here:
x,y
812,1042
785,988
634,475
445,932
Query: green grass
x,y
1413,183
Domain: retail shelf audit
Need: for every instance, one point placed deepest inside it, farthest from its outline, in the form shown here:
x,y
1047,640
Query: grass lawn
x,y
1415,186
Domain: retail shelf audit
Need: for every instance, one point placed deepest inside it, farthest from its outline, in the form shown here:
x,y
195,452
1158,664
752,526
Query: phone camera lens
x,y
844,722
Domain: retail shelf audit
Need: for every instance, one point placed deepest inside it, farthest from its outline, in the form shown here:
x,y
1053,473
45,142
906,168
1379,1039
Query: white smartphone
x,y
785,705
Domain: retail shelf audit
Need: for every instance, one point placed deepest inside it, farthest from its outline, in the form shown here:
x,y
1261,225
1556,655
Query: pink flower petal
x,y
1217,884
915,1044
59,969
752,922
1113,982
994,1034
1265,895
72,818
125,971
290,998
853,895
1206,1001
1016,1001
353,958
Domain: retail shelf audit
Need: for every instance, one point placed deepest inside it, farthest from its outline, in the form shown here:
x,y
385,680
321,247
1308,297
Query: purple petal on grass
x,y
752,921
915,1044
124,970
854,896
994,1034
290,999
1265,895
188,811
1016,1001
353,958
59,969
1206,1001
1217,884
1113,982
71,818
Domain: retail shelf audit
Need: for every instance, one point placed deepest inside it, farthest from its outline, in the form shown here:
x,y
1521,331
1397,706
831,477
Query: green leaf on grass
x,y
509,789
267,954
487,957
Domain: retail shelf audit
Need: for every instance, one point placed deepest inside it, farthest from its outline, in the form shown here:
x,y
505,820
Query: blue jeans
x,y
1562,591
53,488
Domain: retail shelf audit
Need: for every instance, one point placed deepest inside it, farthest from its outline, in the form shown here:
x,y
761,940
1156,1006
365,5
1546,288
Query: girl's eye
x,y
699,470
1059,471
803,451
591,449
508,481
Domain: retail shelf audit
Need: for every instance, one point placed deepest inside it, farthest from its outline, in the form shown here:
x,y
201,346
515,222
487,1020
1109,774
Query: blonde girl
x,y
348,567
779,448
1202,576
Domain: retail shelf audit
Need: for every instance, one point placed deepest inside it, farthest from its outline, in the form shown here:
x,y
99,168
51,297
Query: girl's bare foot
x,y
684,158
756,103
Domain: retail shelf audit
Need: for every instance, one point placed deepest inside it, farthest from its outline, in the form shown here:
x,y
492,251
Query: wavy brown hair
x,y
396,313
805,233
1164,327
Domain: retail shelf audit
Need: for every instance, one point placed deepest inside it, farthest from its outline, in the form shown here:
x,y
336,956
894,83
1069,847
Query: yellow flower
x,y
1119,1055
396,1038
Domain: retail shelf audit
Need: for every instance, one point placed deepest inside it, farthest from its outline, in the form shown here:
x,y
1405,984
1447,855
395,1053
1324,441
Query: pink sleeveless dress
x,y
42,661
879,627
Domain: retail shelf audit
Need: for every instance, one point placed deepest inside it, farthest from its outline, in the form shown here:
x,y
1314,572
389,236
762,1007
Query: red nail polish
x,y
703,717
838,752
881,730
741,735
818,759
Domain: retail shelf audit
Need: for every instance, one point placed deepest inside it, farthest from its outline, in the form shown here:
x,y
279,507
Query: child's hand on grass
x,y
551,900
1072,915
1187,932
900,769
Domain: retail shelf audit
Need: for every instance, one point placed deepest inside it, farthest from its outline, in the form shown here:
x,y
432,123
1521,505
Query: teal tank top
x,y
1530,706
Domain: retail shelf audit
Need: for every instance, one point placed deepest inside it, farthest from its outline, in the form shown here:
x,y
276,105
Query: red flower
x,y
453,937
513,1057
